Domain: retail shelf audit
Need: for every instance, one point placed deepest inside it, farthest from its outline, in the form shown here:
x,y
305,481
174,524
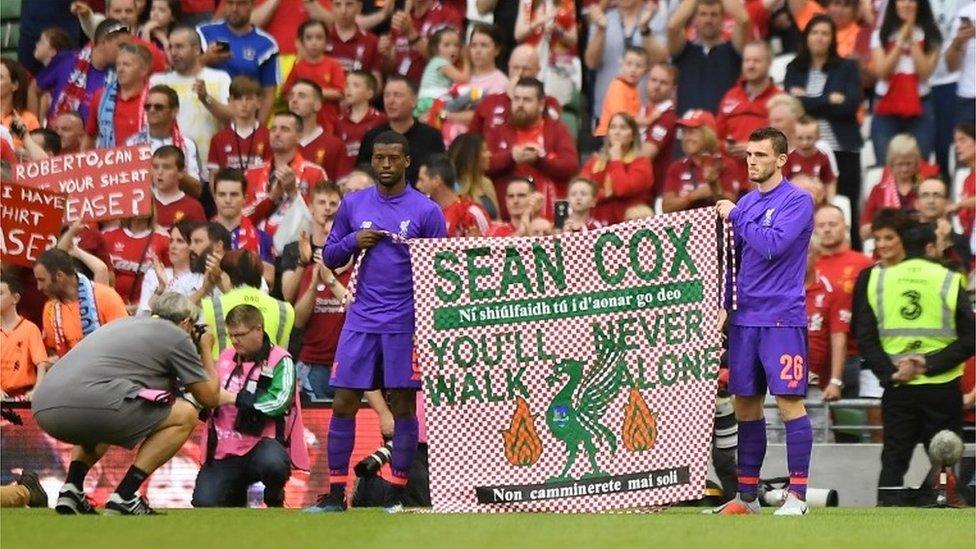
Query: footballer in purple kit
x,y
767,329
375,349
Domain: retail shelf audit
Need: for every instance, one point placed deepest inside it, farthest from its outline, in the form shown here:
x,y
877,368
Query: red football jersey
x,y
661,133
359,53
351,133
322,331
128,116
184,208
228,149
329,75
816,165
841,270
465,218
824,318
131,257
326,150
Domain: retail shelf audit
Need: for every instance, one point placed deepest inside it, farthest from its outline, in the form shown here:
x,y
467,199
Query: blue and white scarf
x,y
87,309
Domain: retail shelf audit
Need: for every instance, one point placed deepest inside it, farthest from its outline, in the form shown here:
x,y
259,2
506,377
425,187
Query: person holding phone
x,y
623,176
237,47
532,145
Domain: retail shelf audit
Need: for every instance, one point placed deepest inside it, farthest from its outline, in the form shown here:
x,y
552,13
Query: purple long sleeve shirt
x,y
384,289
772,234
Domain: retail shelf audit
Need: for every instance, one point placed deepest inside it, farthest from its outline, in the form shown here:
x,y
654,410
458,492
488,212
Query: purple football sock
x,y
752,451
342,436
405,436
799,444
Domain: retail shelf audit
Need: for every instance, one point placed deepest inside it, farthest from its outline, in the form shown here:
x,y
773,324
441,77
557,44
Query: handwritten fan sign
x,y
31,220
99,185
573,373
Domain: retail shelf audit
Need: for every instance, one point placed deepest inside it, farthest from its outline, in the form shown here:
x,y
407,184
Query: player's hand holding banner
x,y
570,373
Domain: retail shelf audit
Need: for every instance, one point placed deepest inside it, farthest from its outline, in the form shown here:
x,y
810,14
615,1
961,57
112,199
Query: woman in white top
x,y
178,278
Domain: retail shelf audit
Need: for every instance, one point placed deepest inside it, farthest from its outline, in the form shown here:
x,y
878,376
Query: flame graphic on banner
x,y
640,425
522,443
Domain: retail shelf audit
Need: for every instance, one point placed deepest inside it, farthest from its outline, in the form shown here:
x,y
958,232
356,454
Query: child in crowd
x,y
638,211
582,198
53,50
623,94
808,159
244,144
23,358
163,16
359,116
172,205
541,226
313,64
443,77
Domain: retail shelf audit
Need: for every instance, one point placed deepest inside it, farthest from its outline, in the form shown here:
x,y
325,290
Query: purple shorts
x,y
374,361
773,357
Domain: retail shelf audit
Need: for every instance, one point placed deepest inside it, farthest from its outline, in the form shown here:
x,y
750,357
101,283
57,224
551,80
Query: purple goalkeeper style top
x,y
772,234
384,287
54,78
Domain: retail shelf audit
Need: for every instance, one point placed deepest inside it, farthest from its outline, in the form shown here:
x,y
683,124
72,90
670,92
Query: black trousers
x,y
849,185
224,482
913,414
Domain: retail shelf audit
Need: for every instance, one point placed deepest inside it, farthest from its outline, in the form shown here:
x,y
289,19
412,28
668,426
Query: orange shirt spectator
x,y
622,96
21,352
110,307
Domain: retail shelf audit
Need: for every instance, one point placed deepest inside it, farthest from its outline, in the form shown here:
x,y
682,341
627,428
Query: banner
x,y
31,220
573,373
99,184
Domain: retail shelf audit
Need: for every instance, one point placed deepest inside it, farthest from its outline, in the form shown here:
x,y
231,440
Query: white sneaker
x,y
736,507
792,506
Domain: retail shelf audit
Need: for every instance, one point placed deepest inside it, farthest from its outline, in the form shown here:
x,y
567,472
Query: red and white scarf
x,y
247,237
74,91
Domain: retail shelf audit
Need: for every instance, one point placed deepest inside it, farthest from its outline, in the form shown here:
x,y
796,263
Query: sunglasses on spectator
x,y
155,107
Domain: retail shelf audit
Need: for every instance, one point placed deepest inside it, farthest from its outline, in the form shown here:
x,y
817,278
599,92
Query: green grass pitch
x,y
676,528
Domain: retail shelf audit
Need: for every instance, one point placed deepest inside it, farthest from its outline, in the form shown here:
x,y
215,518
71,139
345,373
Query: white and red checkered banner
x,y
572,373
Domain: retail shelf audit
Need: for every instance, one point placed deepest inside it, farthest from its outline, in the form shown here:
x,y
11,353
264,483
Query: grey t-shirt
x,y
117,361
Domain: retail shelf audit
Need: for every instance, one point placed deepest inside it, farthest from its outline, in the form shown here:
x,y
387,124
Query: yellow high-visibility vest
x,y
279,316
915,303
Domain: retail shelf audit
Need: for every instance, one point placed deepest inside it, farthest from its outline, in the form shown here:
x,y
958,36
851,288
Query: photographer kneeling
x,y
118,387
256,433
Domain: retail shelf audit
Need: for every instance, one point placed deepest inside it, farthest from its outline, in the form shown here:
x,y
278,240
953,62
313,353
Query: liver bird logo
x,y
575,415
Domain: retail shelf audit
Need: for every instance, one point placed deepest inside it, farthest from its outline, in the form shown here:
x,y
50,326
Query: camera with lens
x,y
371,464
197,333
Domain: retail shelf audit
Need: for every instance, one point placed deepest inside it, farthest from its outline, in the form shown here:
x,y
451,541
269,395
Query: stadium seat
x,y
952,158
778,69
867,156
852,417
844,203
866,127
9,36
871,178
957,182
10,9
868,246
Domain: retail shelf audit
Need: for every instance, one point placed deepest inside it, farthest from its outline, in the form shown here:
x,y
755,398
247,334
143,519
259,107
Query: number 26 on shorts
x,y
794,371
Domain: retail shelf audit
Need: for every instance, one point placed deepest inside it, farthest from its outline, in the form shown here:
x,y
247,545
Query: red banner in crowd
x,y
31,220
100,184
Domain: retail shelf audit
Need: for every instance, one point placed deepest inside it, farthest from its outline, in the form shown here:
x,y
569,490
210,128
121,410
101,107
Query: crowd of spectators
x,y
261,116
